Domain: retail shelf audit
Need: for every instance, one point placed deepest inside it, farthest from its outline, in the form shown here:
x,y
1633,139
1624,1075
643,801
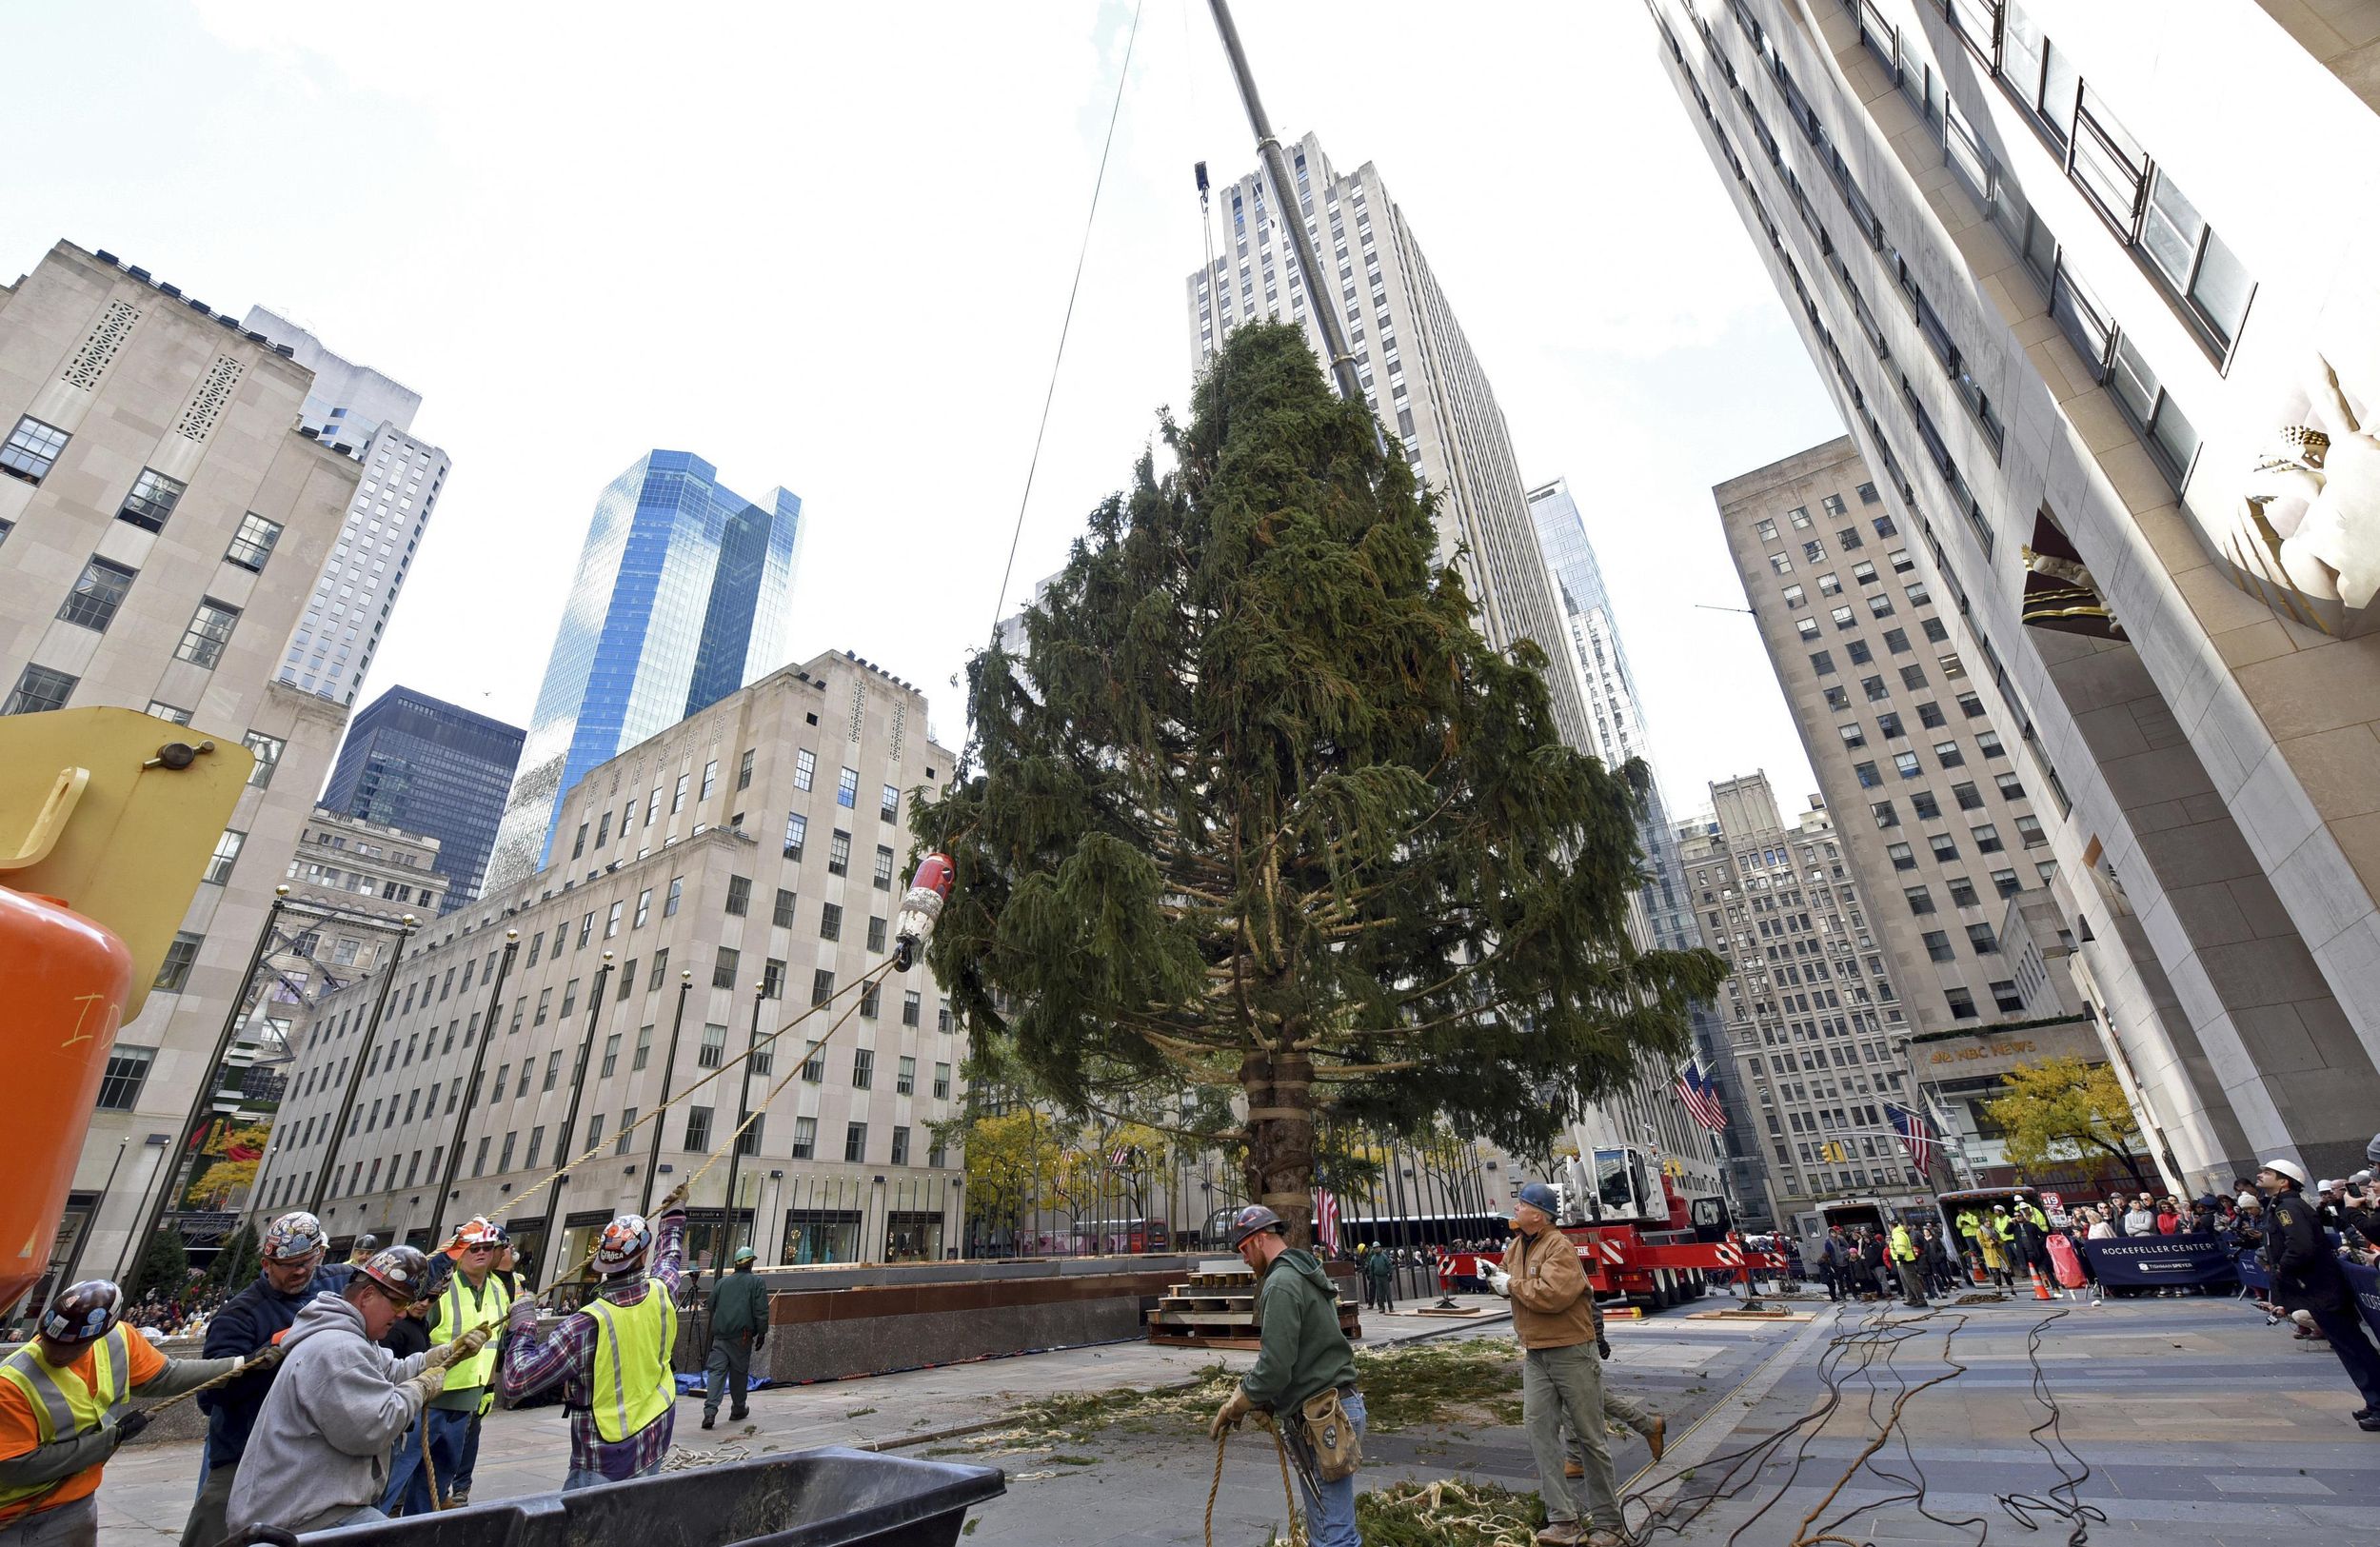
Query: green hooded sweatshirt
x,y
1301,1352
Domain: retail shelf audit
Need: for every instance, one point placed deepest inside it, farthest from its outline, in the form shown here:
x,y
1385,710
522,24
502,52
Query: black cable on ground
x,y
2064,1498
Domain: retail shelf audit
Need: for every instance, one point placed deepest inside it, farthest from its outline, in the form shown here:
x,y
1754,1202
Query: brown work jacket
x,y
1552,1305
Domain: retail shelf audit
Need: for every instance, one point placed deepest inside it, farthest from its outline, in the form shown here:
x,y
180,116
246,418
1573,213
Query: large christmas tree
x,y
1258,806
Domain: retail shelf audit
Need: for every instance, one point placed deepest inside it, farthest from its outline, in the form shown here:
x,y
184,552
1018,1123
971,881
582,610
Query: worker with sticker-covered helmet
x,y
293,1273
63,1400
612,1355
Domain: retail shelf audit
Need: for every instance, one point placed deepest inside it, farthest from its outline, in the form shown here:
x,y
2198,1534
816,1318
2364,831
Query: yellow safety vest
x,y
1904,1249
457,1316
634,1383
62,1406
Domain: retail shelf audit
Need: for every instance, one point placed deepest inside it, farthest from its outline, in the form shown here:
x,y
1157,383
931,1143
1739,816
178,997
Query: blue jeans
x,y
408,1485
461,1483
1331,1506
593,1478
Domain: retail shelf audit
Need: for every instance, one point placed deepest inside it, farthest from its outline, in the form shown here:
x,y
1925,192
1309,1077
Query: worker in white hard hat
x,y
2307,1276
613,1357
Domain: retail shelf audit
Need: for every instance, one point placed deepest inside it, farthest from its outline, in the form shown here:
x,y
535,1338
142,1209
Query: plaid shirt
x,y
531,1364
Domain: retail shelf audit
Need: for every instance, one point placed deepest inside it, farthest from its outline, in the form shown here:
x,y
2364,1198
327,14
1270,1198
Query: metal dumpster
x,y
826,1497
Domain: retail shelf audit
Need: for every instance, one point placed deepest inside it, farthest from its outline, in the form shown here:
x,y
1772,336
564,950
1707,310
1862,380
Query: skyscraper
x,y
680,600
430,766
162,523
364,415
1400,325
2123,408
1615,717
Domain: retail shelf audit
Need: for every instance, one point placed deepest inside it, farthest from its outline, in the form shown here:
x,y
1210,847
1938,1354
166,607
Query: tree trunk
x,y
1280,1172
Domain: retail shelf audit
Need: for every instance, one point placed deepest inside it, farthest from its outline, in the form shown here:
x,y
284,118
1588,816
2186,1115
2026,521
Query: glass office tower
x,y
680,600
430,766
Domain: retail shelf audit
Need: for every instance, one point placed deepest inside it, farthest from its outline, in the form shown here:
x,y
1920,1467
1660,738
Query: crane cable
x,y
1115,112
719,1152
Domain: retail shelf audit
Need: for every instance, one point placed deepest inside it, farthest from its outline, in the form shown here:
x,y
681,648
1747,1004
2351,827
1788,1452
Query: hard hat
x,y
1539,1197
1250,1220
2329,1186
477,1230
2287,1168
502,1236
84,1313
746,1254
365,1243
439,1273
294,1235
624,1245
402,1271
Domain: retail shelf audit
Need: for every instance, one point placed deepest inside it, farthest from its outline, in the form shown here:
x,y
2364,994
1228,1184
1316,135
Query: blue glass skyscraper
x,y
679,599
418,763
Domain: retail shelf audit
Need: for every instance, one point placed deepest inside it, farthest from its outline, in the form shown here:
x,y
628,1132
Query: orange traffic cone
x,y
2040,1290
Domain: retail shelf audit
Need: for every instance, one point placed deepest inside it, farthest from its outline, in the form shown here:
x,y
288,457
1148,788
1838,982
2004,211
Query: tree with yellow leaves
x,y
2066,1109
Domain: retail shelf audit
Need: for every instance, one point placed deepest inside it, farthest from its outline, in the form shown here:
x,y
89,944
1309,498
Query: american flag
x,y
1326,1219
1122,1158
1702,1096
1915,1133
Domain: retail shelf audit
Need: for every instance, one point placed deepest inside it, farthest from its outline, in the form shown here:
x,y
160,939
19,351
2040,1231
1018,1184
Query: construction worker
x,y
458,1490
1380,1280
739,1327
291,1274
363,1251
1903,1251
1993,1240
2307,1277
60,1399
1303,1355
471,1296
612,1355
1970,1225
1562,1374
318,1456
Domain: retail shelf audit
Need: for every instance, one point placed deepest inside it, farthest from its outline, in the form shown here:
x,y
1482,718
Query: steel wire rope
x,y
686,1189
762,1045
1065,327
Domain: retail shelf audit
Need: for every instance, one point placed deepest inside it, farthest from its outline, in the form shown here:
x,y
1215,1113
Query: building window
x,y
821,986
611,1057
901,1146
2029,832
1938,946
698,1128
1962,892
797,829
1866,774
209,631
805,769
1979,936
39,690
643,1049
2006,884
2196,266
1884,815
225,856
1987,742
848,788
1805,627
1962,1003
781,914
804,1139
855,1141
942,1082
1948,754
1920,901
152,500
863,1069
871,1000
888,808
676,894
739,895
1901,856
97,593
906,1077
168,711
875,934
32,447
611,925
725,966
175,970
714,1049
711,779
830,920
839,854
883,869
1889,727
911,1005
1906,764
772,979
1945,847
127,1070
254,543
2171,441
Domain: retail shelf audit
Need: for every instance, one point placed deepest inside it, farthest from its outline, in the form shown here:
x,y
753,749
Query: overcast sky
x,y
828,246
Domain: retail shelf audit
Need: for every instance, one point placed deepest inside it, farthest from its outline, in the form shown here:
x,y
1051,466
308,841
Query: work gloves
x,y
429,1382
1602,1347
1499,1280
129,1425
1228,1415
461,1348
523,1316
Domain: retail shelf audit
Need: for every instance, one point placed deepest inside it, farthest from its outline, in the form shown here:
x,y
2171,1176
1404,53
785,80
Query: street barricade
x,y
2160,1261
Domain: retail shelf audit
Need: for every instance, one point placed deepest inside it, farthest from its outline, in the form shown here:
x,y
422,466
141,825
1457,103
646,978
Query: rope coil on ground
x,y
1289,1497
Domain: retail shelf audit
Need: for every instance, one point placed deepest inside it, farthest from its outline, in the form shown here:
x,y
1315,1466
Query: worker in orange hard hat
x,y
62,1413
